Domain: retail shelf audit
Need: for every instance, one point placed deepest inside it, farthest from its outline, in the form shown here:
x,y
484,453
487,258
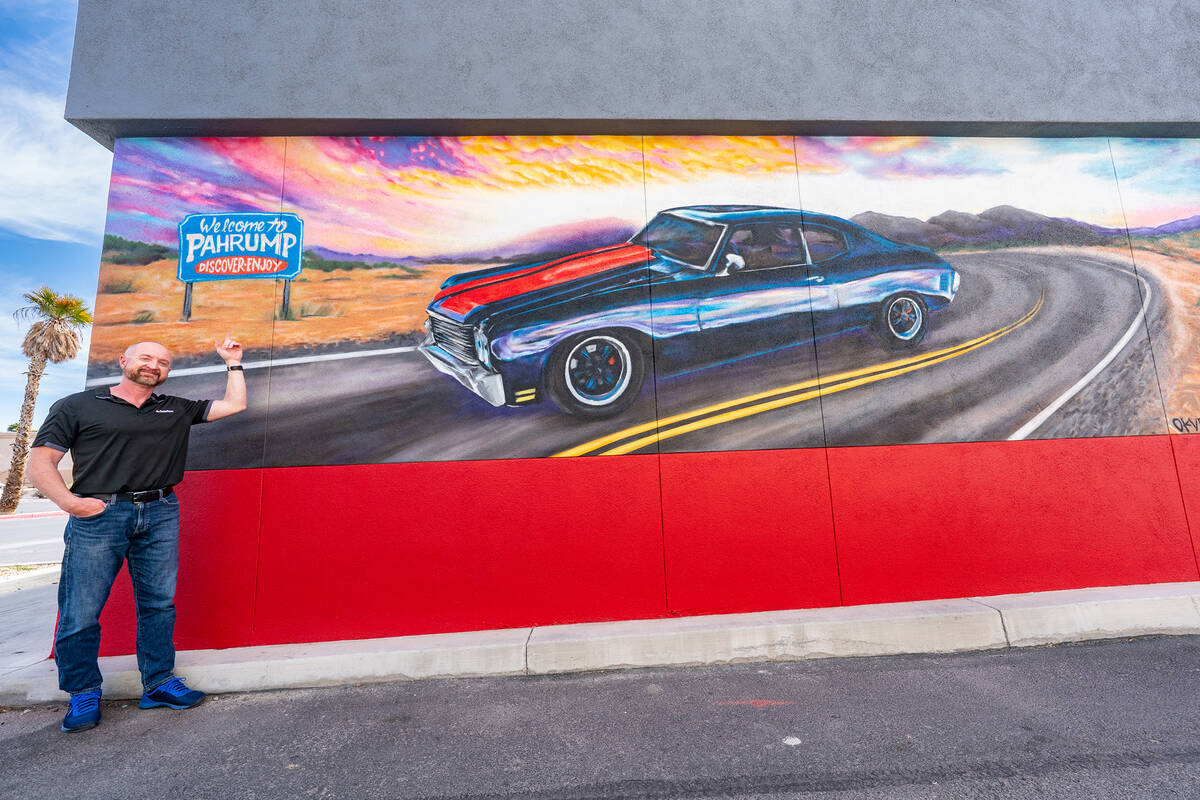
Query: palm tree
x,y
54,336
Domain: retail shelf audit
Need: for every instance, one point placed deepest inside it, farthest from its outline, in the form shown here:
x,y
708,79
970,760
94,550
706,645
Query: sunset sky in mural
x,y
429,197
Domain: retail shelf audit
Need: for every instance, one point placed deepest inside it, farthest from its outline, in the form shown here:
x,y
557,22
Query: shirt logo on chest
x,y
164,411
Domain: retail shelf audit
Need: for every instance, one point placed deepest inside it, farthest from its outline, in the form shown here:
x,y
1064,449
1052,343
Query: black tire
x,y
596,375
902,321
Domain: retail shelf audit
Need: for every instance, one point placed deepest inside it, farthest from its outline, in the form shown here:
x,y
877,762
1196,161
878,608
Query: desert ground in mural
x,y
1175,261
341,309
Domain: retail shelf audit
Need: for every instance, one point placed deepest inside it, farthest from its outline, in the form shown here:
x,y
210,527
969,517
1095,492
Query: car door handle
x,y
816,278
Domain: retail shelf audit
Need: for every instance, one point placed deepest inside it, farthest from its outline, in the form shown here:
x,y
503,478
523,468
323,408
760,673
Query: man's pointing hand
x,y
230,351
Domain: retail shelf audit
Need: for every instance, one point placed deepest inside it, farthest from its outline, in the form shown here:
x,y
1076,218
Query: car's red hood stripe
x,y
465,297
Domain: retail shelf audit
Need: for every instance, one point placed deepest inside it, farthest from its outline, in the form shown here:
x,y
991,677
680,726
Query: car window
x,y
681,239
765,246
823,242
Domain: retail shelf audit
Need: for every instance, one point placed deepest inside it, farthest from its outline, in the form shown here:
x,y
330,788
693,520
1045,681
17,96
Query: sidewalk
x,y
28,608
33,534
935,626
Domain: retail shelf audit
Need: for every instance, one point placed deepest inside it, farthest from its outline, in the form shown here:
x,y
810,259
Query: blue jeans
x,y
145,534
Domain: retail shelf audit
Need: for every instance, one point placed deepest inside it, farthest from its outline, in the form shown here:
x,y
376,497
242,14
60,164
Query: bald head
x,y
146,363
149,347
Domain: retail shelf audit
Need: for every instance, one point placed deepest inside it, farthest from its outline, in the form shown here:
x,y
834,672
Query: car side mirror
x,y
733,263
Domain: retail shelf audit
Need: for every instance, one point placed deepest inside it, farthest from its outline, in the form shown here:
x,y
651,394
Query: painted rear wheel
x,y
596,375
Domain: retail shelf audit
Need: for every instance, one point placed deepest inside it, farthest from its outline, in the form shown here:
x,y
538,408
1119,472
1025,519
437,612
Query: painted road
x,y
1055,334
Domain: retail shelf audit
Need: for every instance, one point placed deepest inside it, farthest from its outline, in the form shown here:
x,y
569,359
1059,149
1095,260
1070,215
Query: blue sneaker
x,y
83,712
172,694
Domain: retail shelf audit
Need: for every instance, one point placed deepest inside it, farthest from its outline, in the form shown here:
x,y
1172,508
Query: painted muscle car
x,y
697,283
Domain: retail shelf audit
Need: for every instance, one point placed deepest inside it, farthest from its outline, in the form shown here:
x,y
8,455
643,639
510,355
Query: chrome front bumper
x,y
488,385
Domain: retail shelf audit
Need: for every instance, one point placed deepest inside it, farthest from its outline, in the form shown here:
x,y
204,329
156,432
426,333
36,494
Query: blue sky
x,y
55,182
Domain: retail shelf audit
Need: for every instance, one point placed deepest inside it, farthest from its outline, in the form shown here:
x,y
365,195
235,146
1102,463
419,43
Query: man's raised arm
x,y
235,384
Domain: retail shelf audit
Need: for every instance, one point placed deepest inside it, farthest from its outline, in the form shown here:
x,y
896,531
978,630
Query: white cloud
x,y
51,9
55,177
36,51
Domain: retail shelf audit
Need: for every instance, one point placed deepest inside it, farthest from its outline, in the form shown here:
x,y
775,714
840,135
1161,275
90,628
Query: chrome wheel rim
x,y
904,318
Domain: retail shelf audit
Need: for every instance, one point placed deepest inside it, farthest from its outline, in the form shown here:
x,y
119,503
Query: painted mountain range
x,y
1003,226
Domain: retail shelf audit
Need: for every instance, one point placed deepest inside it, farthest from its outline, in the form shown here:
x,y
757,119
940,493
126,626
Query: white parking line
x,y
1033,424
279,362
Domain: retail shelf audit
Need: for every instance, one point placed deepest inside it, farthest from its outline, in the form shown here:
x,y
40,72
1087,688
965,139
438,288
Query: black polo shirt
x,y
118,447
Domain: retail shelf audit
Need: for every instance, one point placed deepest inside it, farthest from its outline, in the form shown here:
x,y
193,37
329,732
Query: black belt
x,y
135,497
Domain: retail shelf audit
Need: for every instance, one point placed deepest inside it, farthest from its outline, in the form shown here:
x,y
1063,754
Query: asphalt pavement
x,y
1112,719
33,534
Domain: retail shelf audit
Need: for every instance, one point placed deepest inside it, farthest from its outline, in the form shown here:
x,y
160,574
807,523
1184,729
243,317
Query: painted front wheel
x,y
902,321
596,375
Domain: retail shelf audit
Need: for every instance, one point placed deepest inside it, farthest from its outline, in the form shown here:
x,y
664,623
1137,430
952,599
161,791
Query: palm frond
x,y
47,305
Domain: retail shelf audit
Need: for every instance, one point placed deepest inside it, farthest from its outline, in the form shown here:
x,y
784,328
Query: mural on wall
x,y
513,297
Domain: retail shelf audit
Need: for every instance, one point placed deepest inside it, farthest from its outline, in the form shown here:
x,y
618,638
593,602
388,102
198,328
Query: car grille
x,y
456,339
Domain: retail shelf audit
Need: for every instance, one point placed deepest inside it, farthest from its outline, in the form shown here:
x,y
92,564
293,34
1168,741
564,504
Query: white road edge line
x,y
1035,423
279,362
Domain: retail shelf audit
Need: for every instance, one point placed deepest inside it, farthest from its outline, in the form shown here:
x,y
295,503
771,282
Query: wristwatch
x,y
235,368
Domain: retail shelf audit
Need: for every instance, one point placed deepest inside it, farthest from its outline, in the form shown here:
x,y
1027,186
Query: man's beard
x,y
153,379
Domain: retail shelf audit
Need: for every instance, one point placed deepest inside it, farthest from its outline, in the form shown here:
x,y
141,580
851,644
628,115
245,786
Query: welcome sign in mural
x,y
215,247
221,247
513,297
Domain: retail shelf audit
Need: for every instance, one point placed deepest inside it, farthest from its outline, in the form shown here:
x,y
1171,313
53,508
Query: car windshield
x,y
680,239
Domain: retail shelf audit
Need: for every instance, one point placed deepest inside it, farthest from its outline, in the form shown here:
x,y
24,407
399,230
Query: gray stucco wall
x,y
145,67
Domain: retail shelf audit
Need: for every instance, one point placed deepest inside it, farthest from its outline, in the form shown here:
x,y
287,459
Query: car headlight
x,y
481,348
954,286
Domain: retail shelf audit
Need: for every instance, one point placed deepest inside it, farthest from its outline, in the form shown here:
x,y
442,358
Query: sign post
x,y
285,306
222,247
187,302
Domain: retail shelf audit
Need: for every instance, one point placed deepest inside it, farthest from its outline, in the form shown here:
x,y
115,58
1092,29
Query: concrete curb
x,y
1104,613
28,580
934,626
938,626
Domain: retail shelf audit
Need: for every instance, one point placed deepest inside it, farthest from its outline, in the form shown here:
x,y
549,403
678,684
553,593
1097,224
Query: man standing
x,y
129,447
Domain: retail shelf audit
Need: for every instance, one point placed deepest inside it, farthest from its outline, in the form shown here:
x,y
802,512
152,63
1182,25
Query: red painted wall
x,y
318,553
925,521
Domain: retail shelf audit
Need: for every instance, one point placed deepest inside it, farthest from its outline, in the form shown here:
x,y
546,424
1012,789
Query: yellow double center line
x,y
753,404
